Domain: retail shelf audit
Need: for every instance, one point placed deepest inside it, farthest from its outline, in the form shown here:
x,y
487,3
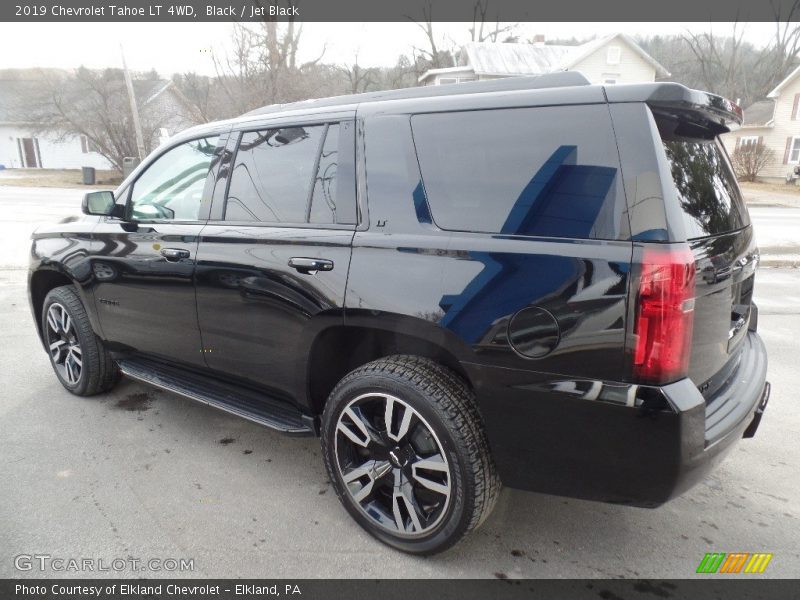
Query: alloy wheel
x,y
393,464
63,344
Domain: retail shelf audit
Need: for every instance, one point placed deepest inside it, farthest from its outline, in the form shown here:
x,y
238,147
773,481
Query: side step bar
x,y
242,402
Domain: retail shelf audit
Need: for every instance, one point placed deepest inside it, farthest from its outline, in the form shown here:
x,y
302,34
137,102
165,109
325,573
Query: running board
x,y
238,401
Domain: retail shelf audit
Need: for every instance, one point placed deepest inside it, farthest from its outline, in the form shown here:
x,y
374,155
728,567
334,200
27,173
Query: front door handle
x,y
174,254
309,266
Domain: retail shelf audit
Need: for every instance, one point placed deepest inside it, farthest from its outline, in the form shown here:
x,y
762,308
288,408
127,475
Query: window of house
x,y
610,78
293,175
794,152
29,155
748,140
172,186
448,80
612,55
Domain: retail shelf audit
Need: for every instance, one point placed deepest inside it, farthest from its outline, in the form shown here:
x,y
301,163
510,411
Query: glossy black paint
x,y
145,301
562,413
256,313
472,284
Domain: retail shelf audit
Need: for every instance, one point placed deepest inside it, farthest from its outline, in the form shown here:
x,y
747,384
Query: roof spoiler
x,y
715,114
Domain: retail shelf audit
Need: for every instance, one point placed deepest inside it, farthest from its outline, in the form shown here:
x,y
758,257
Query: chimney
x,y
538,39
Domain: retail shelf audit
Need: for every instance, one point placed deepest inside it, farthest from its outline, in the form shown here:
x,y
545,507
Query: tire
x,y
80,361
435,462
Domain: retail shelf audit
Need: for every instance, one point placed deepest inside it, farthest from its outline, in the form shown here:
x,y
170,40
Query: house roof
x,y
786,81
588,48
759,114
12,96
507,59
515,59
19,87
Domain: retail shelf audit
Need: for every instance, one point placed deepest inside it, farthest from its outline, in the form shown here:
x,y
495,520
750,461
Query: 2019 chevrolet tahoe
x,y
533,281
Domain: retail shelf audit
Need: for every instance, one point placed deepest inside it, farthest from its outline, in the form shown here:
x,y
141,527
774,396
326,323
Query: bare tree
x,y
430,56
263,66
729,65
481,31
719,58
360,78
201,92
780,56
93,104
749,160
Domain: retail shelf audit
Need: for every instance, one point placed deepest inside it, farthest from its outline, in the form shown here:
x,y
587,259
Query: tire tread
x,y
102,371
457,402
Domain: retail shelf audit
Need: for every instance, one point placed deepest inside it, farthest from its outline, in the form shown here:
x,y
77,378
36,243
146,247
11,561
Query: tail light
x,y
664,315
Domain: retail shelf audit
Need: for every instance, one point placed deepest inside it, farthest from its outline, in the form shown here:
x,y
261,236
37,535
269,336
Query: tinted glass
x,y
323,201
707,188
272,175
172,186
549,171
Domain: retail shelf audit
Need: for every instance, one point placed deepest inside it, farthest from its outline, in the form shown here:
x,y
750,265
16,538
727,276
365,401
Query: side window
x,y
272,174
172,186
294,175
548,171
323,198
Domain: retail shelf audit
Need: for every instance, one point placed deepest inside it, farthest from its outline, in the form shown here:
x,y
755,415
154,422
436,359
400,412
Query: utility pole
x,y
137,126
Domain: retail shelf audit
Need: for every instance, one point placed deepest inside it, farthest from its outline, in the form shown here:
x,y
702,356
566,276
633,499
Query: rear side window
x,y
272,174
546,171
294,175
707,190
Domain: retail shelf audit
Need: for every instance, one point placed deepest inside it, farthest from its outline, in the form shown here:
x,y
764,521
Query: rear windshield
x,y
707,190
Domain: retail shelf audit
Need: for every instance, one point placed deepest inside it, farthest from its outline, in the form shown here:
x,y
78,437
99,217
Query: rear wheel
x,y
81,363
406,450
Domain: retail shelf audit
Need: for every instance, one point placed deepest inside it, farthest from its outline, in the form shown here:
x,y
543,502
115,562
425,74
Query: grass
x,y
780,188
68,178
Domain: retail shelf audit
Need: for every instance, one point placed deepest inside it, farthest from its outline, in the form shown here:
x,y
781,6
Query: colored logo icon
x,y
734,562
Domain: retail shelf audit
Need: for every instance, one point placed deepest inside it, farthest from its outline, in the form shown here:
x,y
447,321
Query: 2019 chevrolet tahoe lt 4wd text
x,y
533,281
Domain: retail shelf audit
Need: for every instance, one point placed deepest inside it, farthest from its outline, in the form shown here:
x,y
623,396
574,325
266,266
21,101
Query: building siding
x,y
773,137
632,68
53,153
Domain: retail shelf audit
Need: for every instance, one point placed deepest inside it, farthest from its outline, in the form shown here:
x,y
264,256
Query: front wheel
x,y
83,366
407,453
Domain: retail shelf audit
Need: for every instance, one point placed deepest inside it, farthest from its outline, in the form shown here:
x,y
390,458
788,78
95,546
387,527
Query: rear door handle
x,y
174,254
309,266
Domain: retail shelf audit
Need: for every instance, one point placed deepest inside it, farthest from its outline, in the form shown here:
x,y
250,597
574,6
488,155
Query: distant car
x,y
538,282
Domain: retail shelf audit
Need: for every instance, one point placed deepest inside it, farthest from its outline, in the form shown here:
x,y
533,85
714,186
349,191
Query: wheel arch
x,y
339,349
44,279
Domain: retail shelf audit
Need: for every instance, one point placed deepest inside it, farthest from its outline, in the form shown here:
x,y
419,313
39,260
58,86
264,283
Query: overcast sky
x,y
180,47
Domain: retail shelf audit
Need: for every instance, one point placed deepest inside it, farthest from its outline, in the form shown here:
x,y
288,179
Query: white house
x,y
23,145
775,122
612,59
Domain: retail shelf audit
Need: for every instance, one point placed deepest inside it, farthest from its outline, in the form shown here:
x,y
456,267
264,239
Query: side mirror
x,y
98,203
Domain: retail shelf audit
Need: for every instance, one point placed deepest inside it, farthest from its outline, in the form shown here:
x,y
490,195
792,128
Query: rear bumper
x,y
616,442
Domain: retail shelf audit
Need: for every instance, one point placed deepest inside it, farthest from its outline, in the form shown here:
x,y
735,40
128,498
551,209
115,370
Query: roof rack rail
x,y
507,84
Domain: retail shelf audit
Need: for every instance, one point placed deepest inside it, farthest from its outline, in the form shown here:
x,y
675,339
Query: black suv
x,y
533,281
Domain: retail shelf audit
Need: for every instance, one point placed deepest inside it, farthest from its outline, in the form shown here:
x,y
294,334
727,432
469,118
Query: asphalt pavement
x,y
138,474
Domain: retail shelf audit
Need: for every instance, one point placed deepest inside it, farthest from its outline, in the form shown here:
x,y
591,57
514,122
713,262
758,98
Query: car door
x,y
272,262
143,264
